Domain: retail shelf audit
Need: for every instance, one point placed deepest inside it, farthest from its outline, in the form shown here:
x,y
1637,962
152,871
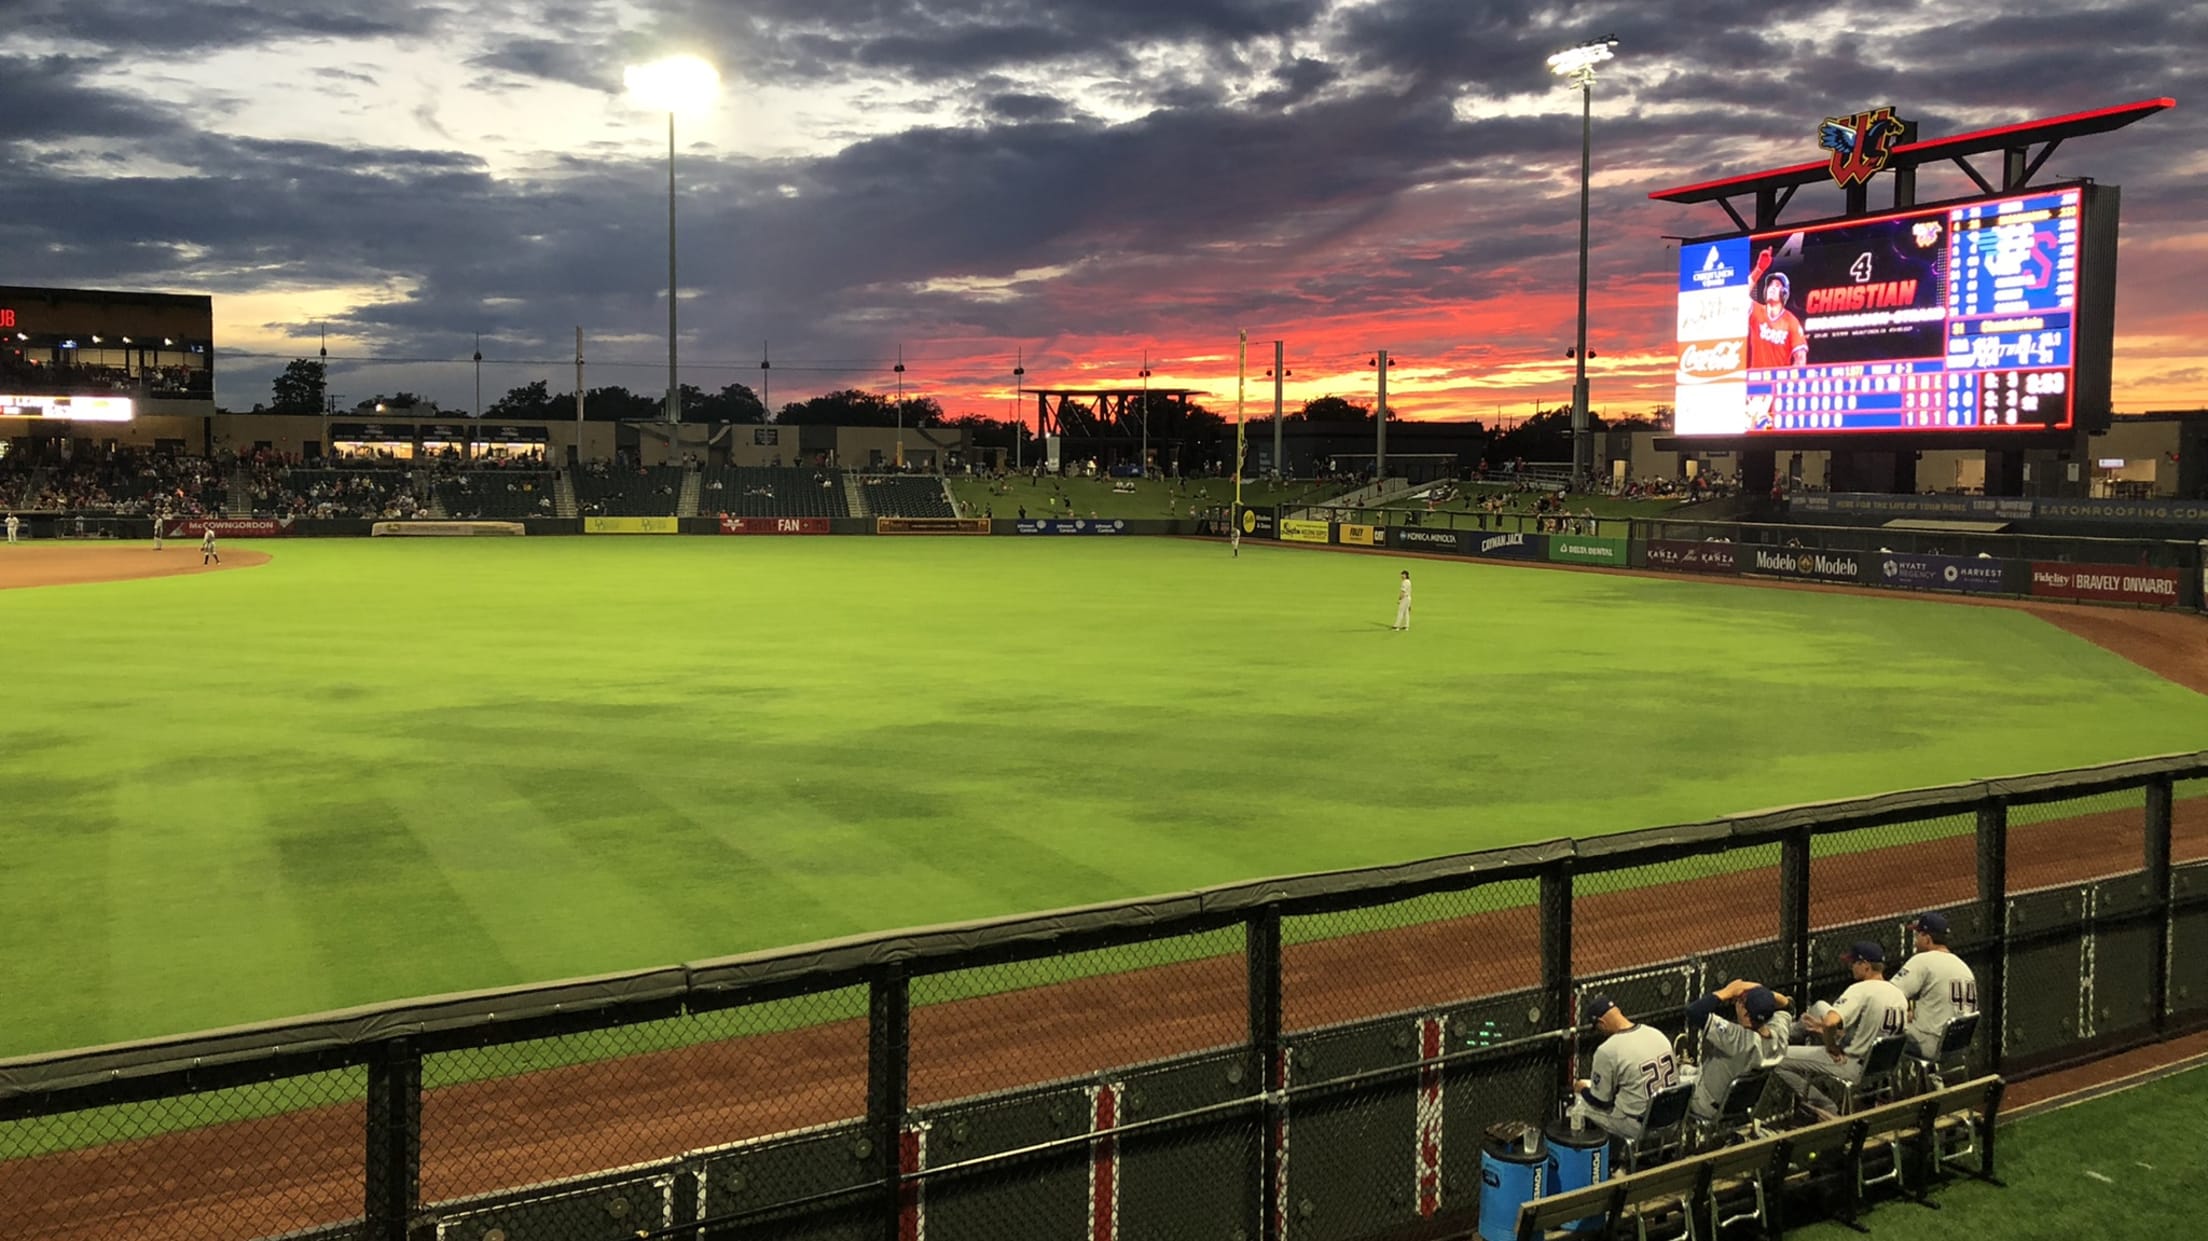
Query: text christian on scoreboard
x,y
1941,319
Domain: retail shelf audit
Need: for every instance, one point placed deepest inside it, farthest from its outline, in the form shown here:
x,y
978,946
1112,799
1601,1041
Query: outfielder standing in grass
x,y
1403,602
207,550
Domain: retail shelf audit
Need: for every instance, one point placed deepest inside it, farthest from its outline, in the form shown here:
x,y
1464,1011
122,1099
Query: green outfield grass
x,y
2127,1165
378,769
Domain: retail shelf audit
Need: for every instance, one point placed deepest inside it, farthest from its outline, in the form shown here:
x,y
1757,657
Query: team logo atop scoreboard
x,y
1860,144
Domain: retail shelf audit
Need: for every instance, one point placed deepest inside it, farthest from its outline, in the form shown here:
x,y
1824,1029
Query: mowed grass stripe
x,y
1032,723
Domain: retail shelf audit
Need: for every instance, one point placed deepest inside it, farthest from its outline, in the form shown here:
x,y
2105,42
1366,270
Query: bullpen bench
x,y
1907,1144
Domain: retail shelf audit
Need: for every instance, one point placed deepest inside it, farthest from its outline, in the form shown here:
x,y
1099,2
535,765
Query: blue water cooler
x,y
1514,1169
1578,1158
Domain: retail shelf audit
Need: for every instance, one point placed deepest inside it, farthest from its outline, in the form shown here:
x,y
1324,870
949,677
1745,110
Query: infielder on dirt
x,y
207,552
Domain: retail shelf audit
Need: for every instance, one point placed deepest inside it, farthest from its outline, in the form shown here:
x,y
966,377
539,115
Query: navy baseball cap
x,y
1760,1003
1595,1007
1931,924
1865,950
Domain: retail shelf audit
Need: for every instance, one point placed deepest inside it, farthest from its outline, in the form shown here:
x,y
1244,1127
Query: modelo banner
x,y
1511,546
774,525
1297,530
1579,549
1416,539
229,527
1358,536
629,525
1257,523
2106,583
1800,563
1683,556
1963,574
1076,525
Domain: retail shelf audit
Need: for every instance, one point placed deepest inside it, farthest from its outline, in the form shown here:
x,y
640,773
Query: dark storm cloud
x,y
163,25
1023,106
553,60
44,99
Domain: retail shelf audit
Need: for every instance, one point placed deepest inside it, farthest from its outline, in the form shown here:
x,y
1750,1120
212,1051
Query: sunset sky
x,y
1076,180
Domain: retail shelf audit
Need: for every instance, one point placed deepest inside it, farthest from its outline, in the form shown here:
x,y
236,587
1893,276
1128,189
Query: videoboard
x,y
70,408
1983,317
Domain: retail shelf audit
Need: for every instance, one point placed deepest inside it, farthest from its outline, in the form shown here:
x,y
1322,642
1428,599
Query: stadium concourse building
x,y
2160,455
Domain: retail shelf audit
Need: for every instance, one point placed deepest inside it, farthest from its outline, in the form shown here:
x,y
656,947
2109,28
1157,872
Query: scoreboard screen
x,y
70,408
1948,319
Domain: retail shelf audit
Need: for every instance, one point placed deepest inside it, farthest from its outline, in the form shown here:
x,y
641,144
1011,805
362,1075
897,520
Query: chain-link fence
x,y
258,1160
1317,1056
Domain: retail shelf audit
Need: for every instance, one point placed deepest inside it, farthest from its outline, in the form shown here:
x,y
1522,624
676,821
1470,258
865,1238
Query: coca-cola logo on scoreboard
x,y
1712,360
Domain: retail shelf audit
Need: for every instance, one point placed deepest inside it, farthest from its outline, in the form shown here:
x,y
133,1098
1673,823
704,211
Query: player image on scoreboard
x,y
1852,293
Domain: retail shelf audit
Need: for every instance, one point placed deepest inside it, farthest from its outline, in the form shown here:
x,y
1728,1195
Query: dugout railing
x,y
1310,1057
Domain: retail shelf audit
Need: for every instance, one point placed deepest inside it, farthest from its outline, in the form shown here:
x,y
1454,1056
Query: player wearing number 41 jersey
x,y
1632,1064
1938,984
1869,1010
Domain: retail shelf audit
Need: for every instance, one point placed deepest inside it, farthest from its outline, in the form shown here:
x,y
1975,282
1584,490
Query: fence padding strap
x,y
445,529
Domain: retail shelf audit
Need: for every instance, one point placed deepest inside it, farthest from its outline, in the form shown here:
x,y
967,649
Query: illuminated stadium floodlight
x,y
1576,65
675,84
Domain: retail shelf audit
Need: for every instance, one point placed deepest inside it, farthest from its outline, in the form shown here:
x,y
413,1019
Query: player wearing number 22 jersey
x,y
1632,1064
1775,336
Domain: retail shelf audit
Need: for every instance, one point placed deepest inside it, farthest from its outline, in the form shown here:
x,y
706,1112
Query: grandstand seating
x,y
301,492
763,491
907,495
496,495
627,491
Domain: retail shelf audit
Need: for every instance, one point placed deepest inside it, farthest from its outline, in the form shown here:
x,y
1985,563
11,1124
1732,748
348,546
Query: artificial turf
x,y
378,769
2132,1164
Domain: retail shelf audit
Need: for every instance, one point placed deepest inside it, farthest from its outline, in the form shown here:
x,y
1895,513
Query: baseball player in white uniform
x,y
1870,1009
15,523
207,550
1744,1028
1632,1064
1403,602
1938,984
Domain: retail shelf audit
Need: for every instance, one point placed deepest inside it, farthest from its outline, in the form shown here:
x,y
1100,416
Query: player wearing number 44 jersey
x,y
1632,1064
1869,1010
1938,984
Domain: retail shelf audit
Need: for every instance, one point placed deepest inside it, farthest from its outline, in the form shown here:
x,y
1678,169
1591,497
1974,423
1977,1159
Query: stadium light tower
x,y
676,84
1576,65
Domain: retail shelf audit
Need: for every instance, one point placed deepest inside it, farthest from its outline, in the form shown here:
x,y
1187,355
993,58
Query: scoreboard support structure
x,y
1882,457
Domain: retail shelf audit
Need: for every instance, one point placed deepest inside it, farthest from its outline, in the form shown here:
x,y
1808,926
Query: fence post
x,y
1265,1068
888,1078
1794,908
1993,910
394,1141
2160,795
1556,963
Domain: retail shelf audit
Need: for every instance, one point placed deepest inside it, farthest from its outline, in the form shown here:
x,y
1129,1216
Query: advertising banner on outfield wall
x,y
2107,583
1800,563
229,527
931,525
629,525
1070,525
774,525
1681,556
1964,574
1257,523
1358,536
1511,546
1296,530
1417,539
1580,549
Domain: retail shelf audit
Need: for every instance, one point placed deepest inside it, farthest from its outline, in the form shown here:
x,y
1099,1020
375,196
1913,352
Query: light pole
x,y
1380,361
1019,401
1146,413
900,369
1576,65
1279,375
676,84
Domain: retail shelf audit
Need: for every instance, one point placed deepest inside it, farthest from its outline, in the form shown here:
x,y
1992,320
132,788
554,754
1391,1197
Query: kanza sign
x,y
1860,144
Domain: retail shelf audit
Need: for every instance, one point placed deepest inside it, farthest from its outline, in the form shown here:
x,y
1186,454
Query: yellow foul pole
x,y
1241,381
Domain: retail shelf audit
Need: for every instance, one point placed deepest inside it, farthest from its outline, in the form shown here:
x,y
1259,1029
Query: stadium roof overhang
x,y
1771,191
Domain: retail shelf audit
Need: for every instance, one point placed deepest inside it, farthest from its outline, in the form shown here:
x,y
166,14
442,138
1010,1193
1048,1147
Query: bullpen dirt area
x,y
70,564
